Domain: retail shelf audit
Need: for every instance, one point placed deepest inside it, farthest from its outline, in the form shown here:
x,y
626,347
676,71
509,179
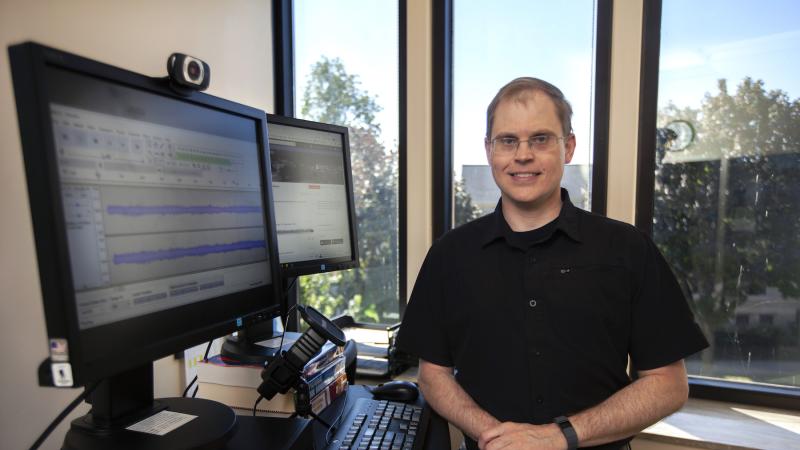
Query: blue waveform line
x,y
148,256
164,210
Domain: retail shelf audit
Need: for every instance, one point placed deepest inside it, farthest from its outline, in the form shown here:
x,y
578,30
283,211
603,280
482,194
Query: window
x,y
726,202
495,42
346,71
742,320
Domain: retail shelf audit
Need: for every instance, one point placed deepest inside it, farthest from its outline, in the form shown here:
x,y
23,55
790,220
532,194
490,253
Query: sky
x,y
364,35
728,39
495,42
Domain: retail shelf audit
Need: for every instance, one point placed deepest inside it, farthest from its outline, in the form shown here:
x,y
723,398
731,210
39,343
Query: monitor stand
x,y
127,398
244,347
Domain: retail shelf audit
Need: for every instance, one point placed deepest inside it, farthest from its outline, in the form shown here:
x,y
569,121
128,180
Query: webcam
x,y
188,72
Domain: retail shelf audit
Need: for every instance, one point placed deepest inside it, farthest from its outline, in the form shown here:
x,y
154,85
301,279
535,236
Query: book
x,y
326,353
220,370
324,396
217,371
322,390
241,397
331,392
326,375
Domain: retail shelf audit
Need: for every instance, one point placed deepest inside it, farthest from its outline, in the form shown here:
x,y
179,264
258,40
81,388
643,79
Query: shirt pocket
x,y
590,304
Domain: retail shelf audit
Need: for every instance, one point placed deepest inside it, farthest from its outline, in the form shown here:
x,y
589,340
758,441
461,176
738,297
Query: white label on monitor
x,y
162,423
59,350
62,374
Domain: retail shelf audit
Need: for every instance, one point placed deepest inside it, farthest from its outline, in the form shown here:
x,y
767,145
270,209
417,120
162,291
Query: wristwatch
x,y
569,432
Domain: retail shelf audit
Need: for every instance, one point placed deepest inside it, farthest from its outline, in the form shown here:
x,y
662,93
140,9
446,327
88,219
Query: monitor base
x,y
212,427
239,349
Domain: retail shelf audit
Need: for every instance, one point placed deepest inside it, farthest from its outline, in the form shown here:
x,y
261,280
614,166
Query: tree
x,y
465,210
727,215
371,292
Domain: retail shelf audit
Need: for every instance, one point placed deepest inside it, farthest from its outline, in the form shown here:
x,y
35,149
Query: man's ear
x,y
487,145
569,146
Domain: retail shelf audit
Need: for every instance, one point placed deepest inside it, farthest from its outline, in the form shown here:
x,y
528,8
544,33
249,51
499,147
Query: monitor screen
x,y
313,196
151,212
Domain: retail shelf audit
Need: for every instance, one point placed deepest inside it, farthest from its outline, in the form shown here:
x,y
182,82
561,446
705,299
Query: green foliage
x,y
465,210
370,294
333,96
727,213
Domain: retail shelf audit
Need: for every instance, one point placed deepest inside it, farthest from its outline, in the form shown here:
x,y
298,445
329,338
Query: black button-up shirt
x,y
540,324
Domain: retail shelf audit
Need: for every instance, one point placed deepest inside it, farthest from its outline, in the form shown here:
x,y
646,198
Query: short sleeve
x,y
422,332
663,326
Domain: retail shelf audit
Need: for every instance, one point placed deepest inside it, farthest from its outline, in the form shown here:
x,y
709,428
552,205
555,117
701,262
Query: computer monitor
x,y
312,188
154,232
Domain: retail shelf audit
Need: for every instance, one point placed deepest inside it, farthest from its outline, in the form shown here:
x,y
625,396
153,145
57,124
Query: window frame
x,y
283,68
699,387
442,111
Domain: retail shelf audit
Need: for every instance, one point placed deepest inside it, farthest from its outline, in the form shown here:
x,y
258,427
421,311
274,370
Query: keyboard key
x,y
379,425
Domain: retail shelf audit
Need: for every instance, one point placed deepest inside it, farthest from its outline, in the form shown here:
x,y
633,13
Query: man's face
x,y
529,177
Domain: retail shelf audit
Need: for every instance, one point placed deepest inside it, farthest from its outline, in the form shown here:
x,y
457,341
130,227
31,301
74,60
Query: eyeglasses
x,y
508,145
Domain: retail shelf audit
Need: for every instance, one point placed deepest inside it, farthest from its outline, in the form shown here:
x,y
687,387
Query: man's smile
x,y
524,175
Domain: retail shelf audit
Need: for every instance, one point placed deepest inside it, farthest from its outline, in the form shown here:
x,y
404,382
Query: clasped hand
x,y
522,436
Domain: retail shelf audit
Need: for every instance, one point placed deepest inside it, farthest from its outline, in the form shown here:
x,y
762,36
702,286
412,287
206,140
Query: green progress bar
x,y
202,159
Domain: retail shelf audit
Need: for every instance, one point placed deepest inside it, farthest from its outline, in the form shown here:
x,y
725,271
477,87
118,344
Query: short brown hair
x,y
519,86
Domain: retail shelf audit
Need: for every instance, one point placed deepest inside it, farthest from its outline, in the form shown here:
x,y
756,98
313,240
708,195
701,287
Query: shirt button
x,y
537,353
539,399
532,303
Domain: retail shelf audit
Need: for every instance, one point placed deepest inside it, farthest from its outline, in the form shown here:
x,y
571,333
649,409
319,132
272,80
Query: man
x,y
524,320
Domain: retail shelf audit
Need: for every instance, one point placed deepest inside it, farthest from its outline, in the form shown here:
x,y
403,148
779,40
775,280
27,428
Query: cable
x,y
258,400
194,380
189,386
338,418
289,288
208,348
88,390
283,333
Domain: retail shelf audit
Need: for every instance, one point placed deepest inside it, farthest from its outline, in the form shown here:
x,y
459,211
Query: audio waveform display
x,y
149,256
163,210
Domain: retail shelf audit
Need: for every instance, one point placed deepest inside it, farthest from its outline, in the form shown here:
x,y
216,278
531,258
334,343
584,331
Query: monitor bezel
x,y
325,265
175,329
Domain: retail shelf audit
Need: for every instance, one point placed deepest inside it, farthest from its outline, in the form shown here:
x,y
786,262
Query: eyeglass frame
x,y
531,145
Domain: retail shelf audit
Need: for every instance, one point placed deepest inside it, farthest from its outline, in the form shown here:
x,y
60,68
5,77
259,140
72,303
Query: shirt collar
x,y
567,221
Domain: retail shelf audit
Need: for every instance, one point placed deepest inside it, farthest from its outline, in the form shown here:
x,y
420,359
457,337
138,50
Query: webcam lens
x,y
193,69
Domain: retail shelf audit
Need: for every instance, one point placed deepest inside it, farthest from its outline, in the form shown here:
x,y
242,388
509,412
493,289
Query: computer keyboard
x,y
381,425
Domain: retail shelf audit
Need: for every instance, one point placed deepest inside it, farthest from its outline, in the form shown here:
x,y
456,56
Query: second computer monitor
x,y
313,196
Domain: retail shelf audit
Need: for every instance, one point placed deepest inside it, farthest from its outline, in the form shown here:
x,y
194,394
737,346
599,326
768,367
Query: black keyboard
x,y
381,425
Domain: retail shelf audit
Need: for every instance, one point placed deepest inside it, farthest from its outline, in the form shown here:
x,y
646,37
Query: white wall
x,y
233,36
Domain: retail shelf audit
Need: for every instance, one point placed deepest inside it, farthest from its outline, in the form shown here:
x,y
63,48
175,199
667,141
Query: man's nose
x,y
524,151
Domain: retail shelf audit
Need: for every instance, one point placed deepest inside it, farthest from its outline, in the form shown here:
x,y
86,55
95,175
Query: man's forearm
x,y
639,405
446,397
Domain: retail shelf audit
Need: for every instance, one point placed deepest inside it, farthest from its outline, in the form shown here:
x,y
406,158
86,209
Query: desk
x,y
302,434
266,433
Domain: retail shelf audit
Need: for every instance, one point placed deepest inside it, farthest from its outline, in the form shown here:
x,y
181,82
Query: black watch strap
x,y
569,432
